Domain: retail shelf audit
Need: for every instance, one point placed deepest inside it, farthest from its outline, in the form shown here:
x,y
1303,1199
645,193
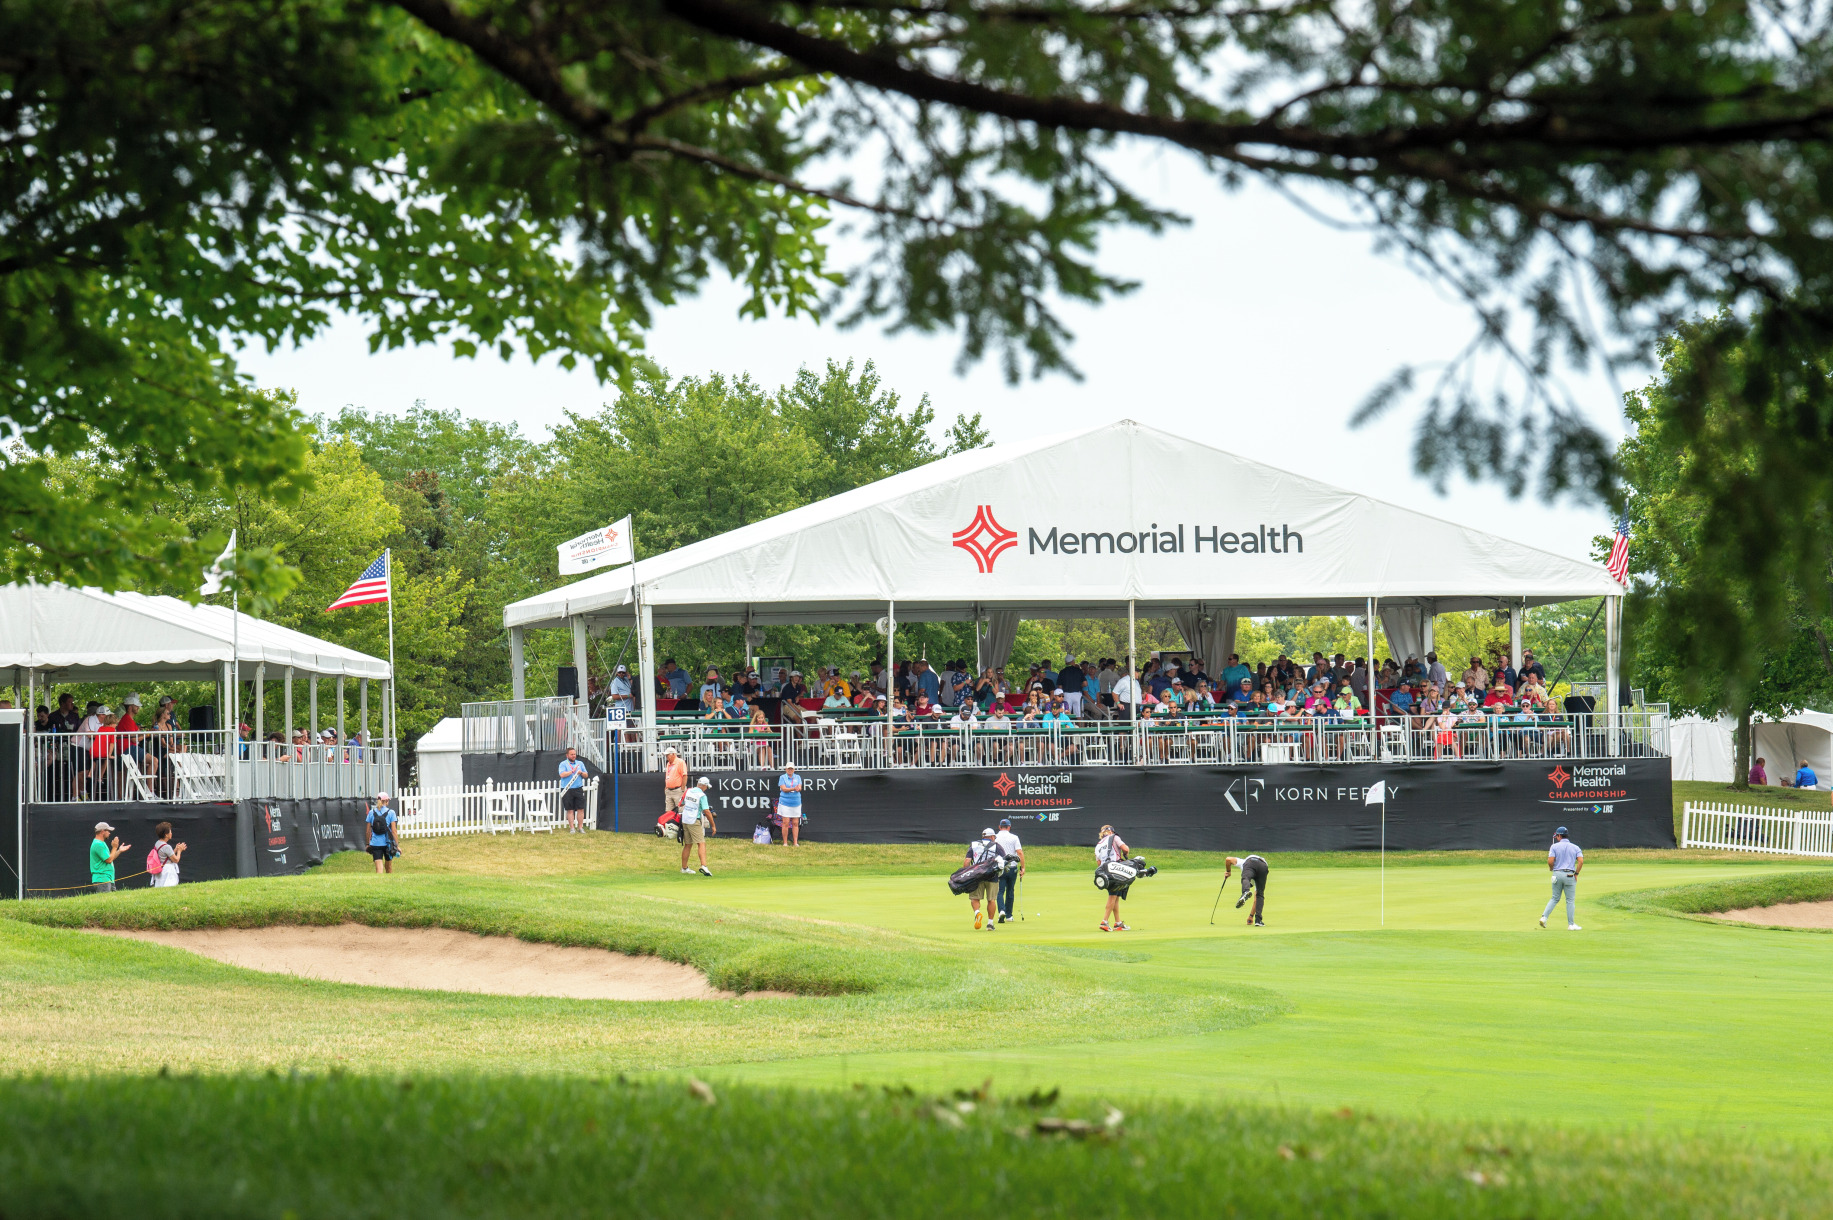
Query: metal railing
x,y
1787,832
1157,741
487,808
521,726
182,766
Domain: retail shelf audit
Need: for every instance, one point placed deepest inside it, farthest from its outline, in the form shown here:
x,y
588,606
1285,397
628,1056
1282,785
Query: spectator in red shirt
x,y
1499,696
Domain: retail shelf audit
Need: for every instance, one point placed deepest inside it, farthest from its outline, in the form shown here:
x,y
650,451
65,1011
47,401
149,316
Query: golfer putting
x,y
1565,860
1253,882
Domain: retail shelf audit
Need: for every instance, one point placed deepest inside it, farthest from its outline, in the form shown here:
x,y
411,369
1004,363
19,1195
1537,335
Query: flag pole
x,y
394,752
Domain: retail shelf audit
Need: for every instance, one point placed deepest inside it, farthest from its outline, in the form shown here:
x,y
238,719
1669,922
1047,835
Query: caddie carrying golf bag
x,y
669,825
1117,876
989,869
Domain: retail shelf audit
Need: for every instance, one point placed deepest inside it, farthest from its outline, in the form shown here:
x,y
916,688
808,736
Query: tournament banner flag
x,y
597,548
369,589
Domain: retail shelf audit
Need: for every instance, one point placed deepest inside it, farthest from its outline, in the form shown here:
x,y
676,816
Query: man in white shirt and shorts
x,y
697,823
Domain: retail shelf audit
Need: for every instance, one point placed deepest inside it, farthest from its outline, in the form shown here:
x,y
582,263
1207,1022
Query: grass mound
x,y
520,1147
859,989
1732,894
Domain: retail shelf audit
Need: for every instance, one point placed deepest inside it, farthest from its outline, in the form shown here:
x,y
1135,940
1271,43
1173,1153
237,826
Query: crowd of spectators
x,y
1419,693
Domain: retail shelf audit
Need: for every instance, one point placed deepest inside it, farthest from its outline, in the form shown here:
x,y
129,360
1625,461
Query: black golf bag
x,y
1118,876
989,869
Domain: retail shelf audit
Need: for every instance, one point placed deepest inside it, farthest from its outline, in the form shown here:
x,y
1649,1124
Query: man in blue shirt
x,y
1805,778
573,790
621,693
927,683
382,842
1565,859
1235,673
676,678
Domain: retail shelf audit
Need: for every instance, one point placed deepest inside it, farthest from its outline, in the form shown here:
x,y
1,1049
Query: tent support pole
x,y
1515,615
646,678
289,707
890,672
1368,687
518,689
342,737
1613,671
579,660
261,702
1428,612
1133,672
232,730
362,718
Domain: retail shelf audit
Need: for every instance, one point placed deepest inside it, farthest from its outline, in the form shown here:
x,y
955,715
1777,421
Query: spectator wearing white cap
x,y
384,844
621,695
102,856
697,823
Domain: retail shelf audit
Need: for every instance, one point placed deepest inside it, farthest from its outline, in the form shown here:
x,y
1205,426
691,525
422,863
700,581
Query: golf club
x,y
1218,905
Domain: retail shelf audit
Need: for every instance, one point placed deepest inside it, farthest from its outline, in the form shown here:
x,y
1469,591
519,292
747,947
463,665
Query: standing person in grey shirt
x,y
1565,859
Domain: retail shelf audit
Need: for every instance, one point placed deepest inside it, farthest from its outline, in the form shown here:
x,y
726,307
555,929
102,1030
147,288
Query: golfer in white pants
x,y
1565,860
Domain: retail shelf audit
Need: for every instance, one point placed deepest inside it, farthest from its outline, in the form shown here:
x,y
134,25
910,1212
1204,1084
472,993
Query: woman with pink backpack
x,y
162,861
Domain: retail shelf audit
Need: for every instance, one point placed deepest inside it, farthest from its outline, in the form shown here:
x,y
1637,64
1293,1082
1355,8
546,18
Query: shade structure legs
x,y
342,737
1368,689
289,707
312,696
890,668
646,674
579,658
518,689
260,702
362,713
234,727
1133,688
1613,670
1515,615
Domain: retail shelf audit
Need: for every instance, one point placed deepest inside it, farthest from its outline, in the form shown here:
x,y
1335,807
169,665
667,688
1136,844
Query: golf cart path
x,y
440,959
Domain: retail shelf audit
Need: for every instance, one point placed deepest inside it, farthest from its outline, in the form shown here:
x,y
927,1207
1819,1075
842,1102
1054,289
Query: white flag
x,y
1377,794
213,579
597,549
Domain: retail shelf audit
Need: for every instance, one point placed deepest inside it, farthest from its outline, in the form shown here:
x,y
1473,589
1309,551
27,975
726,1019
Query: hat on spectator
x,y
670,750
104,710
103,826
131,701
381,796
988,833
623,669
704,782
165,699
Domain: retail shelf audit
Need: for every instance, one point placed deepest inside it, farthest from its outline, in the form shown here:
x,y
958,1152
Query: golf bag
x,y
989,869
1118,876
669,825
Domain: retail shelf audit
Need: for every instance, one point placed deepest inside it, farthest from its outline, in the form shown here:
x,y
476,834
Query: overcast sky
x,y
1256,329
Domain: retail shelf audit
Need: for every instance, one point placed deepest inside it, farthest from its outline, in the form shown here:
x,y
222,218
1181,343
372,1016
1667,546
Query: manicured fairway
x,y
1460,1006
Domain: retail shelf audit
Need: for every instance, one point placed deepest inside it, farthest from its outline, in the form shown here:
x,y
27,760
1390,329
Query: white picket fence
x,y
1783,832
487,808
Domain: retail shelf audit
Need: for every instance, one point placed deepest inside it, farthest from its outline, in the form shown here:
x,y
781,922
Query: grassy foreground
x,y
536,1147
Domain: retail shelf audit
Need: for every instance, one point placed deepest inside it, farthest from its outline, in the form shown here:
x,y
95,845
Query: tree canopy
x,y
181,178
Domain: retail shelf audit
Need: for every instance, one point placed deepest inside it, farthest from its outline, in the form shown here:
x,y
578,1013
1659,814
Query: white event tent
x,y
1120,519
61,634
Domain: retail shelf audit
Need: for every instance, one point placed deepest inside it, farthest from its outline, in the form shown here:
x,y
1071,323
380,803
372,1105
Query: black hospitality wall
x,y
58,837
543,767
11,860
1430,806
292,836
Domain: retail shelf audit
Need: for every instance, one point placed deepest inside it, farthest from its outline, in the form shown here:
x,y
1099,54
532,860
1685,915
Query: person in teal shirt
x,y
1235,673
102,858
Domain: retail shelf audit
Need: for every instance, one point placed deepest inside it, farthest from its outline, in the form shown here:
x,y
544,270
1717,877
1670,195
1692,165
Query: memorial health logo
x,y
1559,775
1004,784
985,538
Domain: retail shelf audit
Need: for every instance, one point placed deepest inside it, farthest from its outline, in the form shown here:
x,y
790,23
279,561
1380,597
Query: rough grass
x,y
522,1148
859,989
1702,900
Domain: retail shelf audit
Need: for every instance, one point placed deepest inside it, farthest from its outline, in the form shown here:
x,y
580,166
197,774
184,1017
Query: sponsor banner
x,y
58,838
292,836
596,549
1429,806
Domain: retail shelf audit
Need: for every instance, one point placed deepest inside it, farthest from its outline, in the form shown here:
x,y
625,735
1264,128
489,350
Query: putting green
x,y
1458,1007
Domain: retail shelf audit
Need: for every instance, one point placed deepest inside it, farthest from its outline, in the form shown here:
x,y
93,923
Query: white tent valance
x,y
1074,526
86,635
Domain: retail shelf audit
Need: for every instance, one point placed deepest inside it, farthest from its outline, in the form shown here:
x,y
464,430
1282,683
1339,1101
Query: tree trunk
x,y
1740,766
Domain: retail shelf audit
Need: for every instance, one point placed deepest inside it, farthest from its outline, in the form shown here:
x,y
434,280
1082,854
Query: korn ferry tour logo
x,y
985,538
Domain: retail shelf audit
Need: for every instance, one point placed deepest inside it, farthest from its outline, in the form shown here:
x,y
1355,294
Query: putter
x,y
1218,905
1021,898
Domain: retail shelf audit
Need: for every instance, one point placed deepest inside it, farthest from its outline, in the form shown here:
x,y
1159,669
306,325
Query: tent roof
x,y
1077,525
86,635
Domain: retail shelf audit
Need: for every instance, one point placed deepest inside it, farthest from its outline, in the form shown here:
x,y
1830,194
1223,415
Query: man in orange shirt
x,y
674,782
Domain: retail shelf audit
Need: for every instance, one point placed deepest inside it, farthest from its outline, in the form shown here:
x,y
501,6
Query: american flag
x,y
371,587
1618,564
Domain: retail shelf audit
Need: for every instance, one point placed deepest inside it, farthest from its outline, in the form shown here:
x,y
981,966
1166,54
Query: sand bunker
x,y
1784,915
439,959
